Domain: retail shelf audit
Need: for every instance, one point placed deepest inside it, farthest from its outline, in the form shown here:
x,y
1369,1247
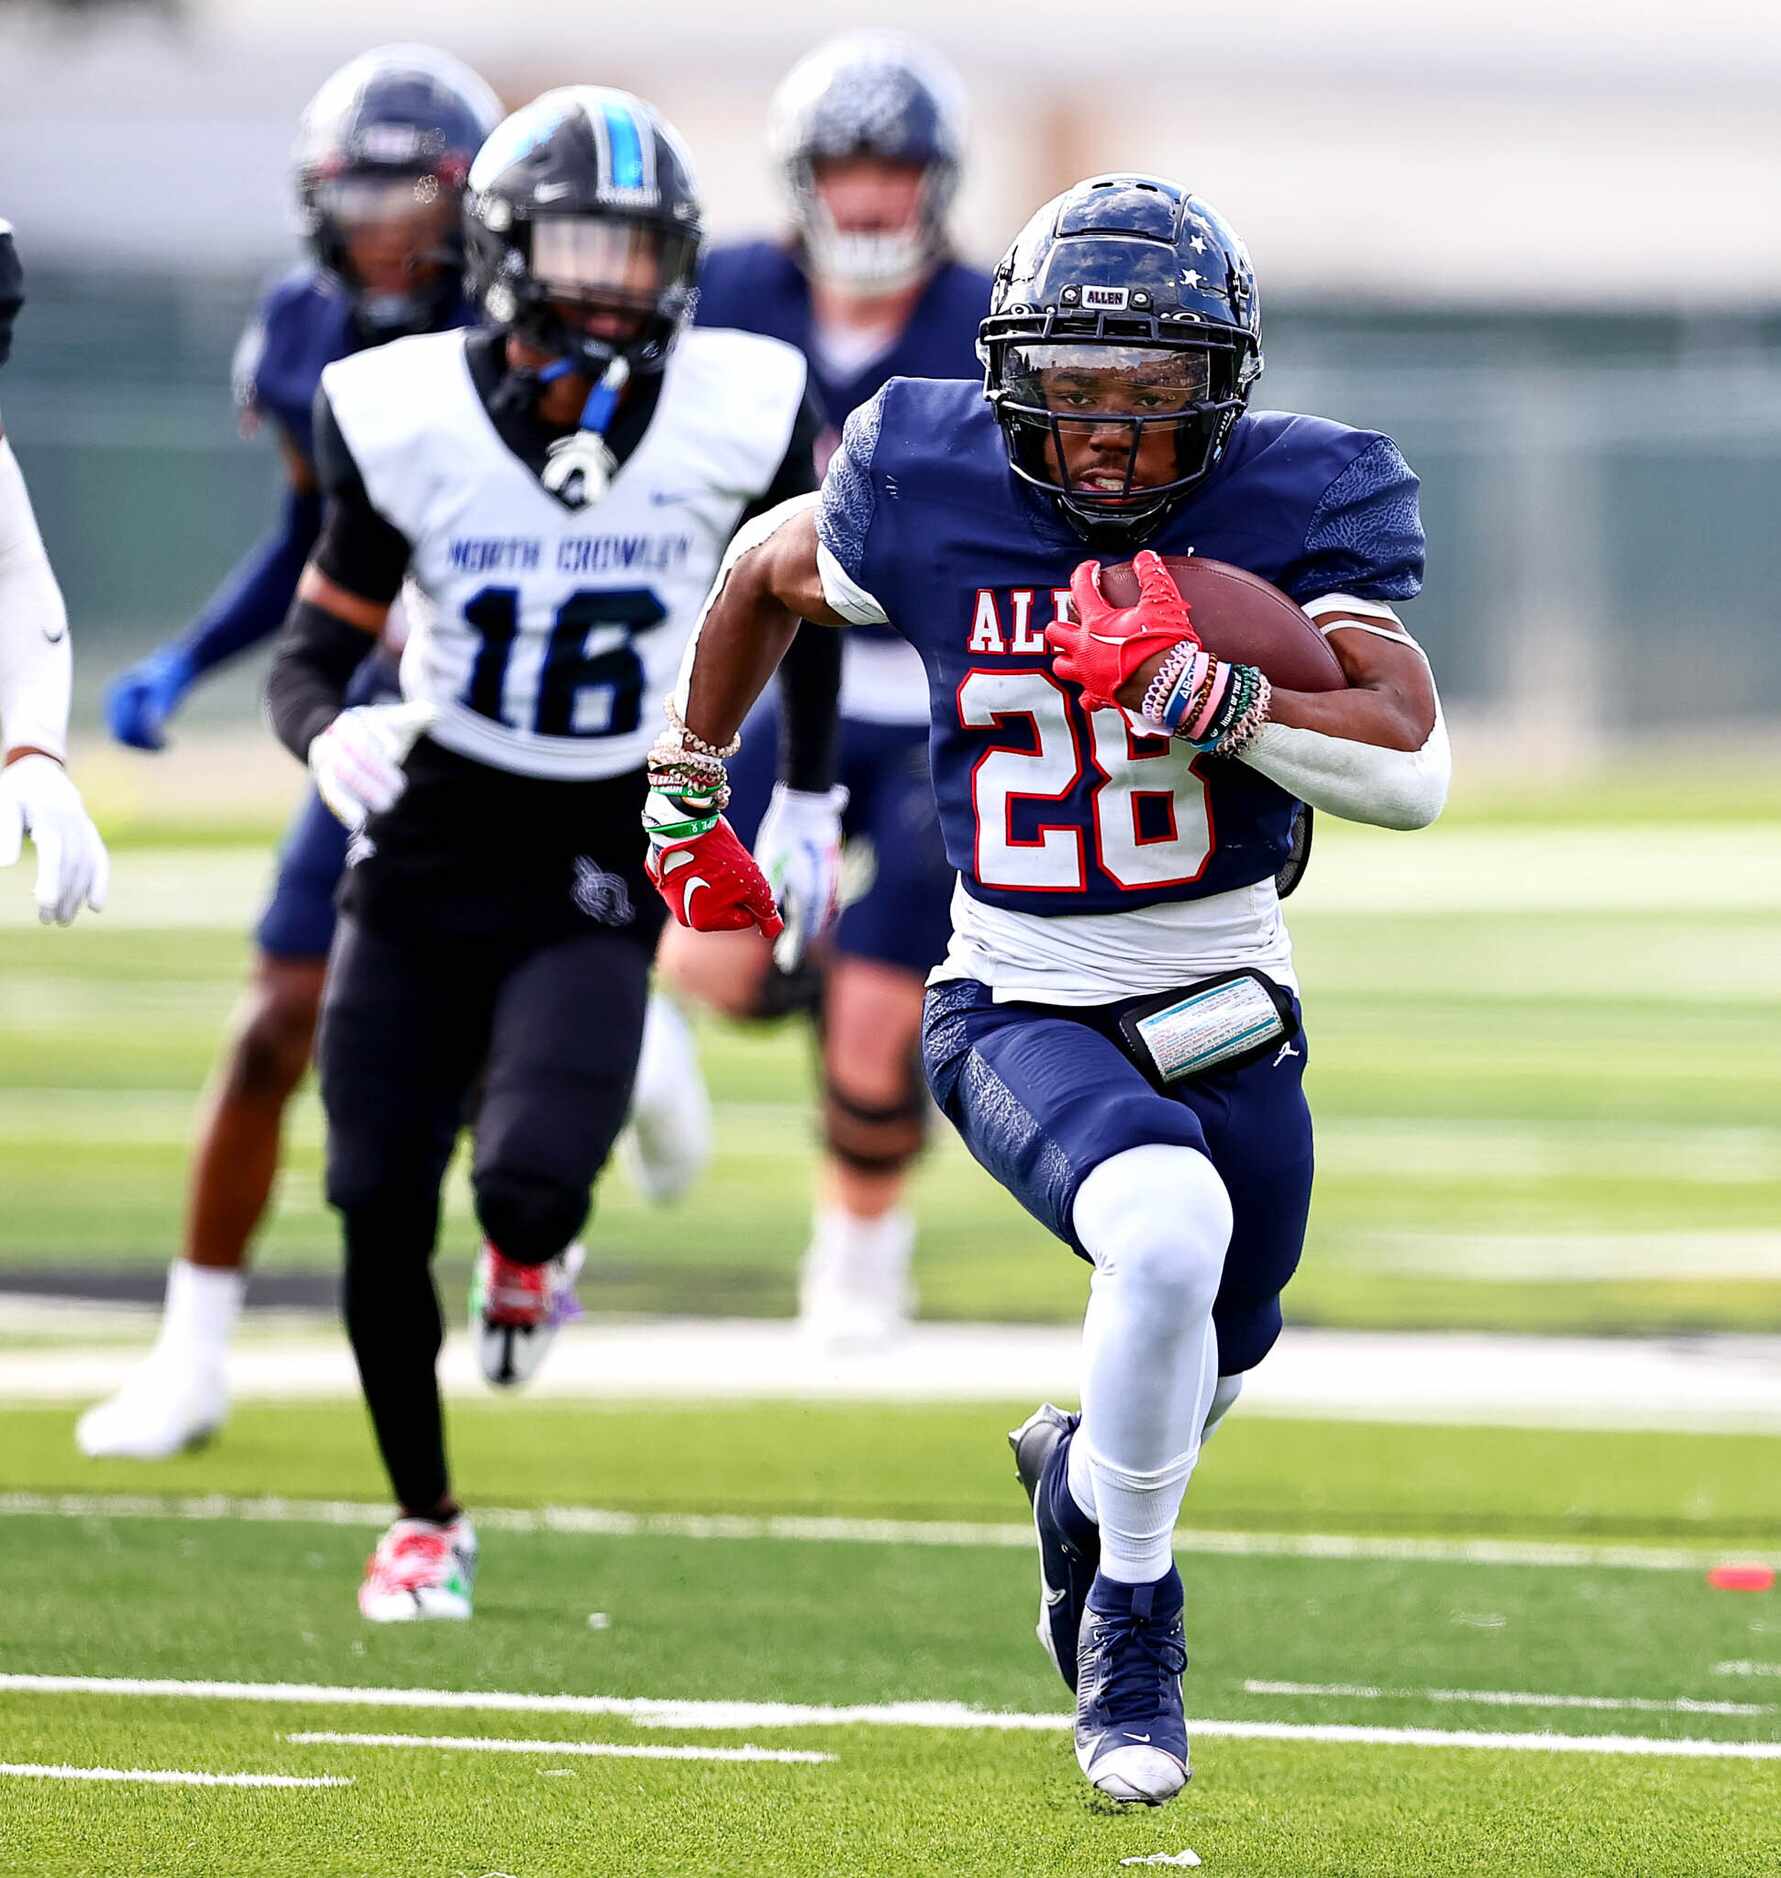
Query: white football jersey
x,y
549,637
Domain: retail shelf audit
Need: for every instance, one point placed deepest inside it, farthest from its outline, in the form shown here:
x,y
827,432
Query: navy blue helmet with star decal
x,y
382,152
1126,308
876,94
584,227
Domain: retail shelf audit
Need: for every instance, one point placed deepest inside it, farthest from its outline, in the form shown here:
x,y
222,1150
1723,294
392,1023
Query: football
x,y
1239,616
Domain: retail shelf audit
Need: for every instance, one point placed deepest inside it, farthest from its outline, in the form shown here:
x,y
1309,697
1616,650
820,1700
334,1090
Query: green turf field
x,y
745,1577
1547,1071
1546,1067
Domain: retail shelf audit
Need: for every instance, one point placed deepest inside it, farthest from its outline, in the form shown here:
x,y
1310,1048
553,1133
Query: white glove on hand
x,y
357,761
38,798
798,848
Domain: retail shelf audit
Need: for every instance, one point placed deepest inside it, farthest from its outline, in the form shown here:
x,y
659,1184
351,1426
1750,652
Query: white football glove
x,y
798,848
357,761
38,798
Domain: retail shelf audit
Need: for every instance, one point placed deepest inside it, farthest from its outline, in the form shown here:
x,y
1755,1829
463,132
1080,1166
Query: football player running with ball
x,y
553,492
37,795
381,154
867,132
1117,802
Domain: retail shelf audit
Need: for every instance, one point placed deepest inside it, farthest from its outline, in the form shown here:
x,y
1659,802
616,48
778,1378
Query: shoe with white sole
x,y
517,1310
854,1291
165,1407
1069,1541
667,1142
1131,1728
421,1570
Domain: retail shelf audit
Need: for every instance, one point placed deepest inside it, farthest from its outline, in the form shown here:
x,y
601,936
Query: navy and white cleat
x,y
1069,1543
1131,1730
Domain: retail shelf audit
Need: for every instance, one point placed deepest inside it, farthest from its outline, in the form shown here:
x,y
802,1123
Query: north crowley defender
x,y
382,151
1115,1029
495,929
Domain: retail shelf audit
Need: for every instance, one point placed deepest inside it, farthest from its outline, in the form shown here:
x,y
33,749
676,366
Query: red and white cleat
x,y
420,1569
517,1310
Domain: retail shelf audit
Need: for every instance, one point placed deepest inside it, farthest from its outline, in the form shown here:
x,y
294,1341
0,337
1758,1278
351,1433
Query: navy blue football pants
x,y
1044,1094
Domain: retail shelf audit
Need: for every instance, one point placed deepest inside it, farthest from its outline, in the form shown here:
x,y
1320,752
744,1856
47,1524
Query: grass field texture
x,y
1306,1662
1546,1070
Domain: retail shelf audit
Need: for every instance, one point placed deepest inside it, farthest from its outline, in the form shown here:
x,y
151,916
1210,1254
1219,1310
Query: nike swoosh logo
x,y
1055,1598
1132,1737
551,192
1101,639
692,887
666,498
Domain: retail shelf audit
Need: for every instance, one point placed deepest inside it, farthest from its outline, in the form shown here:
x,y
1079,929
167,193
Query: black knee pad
x,y
875,1138
530,1217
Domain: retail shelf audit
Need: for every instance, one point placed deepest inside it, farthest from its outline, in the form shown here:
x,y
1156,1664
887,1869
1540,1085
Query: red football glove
x,y
1104,645
711,883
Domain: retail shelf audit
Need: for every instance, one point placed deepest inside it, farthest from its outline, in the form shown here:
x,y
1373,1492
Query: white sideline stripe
x,y
1515,1698
649,1712
497,1744
169,1776
681,1714
605,1523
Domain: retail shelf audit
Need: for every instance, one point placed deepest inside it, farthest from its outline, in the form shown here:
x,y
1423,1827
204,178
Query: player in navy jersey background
x,y
867,131
381,155
1115,1031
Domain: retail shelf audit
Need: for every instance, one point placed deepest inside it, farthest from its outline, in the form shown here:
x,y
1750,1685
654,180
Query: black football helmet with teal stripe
x,y
583,227
1124,280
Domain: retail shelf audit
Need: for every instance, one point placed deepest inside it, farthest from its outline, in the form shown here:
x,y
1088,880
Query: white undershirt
x,y
1098,958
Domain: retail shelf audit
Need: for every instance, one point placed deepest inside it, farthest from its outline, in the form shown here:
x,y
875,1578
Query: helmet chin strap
x,y
579,468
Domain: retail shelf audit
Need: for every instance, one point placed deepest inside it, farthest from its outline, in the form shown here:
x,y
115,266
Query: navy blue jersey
x,y
760,287
1047,808
304,323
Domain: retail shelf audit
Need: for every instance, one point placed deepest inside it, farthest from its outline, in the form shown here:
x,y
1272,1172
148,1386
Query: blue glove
x,y
140,700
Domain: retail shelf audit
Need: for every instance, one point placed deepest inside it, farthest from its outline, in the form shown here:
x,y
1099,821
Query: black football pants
x,y
407,1027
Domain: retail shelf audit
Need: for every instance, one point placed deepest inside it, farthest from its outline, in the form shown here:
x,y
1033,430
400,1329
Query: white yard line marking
x,y
1747,1669
668,1713
1514,1698
601,1522
497,1744
168,1776
652,1712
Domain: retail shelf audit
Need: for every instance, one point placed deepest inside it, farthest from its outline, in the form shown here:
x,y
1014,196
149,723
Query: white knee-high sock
x,y
1156,1221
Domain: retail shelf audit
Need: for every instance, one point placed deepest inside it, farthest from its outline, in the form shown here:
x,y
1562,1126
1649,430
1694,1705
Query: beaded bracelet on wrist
x,y
691,742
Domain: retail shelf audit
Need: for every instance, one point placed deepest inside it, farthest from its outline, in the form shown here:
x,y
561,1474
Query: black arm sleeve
x,y
312,663
359,549
810,673
317,652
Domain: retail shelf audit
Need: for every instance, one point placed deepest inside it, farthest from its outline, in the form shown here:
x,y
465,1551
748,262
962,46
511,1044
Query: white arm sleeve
x,y
36,671
1360,782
